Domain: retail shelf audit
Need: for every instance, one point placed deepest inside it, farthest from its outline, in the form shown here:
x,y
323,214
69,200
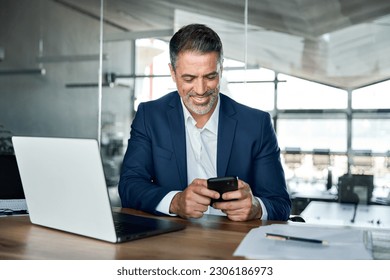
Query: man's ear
x,y
173,74
221,69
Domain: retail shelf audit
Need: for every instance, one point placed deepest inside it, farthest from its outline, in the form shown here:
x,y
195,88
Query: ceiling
x,y
341,43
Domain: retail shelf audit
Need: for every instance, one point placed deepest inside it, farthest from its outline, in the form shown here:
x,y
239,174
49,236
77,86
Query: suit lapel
x,y
226,131
177,130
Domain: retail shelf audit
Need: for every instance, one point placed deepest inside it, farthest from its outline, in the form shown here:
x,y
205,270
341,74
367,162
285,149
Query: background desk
x,y
333,213
211,237
300,200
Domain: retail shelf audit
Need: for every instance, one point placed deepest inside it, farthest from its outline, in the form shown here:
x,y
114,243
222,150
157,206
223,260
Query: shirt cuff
x,y
165,203
264,216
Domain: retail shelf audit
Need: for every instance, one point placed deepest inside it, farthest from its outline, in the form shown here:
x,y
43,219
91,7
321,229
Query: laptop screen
x,y
10,183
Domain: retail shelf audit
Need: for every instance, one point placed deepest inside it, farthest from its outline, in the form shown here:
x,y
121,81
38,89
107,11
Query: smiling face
x,y
197,77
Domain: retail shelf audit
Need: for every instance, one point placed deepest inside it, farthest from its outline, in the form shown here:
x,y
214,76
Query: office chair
x,y
322,161
321,158
362,162
293,157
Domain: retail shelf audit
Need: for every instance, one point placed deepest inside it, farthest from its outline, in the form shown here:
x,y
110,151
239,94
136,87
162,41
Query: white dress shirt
x,y
201,148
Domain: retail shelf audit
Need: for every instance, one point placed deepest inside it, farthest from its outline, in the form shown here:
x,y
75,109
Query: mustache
x,y
206,94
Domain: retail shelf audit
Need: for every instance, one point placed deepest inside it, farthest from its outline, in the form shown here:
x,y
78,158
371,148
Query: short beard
x,y
201,109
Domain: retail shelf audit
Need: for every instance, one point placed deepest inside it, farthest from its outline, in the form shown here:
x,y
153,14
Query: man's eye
x,y
212,77
188,79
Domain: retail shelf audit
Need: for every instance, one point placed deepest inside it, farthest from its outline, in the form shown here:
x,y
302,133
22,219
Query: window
x,y
259,95
372,97
371,134
251,87
309,134
297,93
152,62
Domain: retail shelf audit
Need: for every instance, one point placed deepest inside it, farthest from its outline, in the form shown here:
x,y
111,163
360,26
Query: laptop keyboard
x,y
122,228
125,223
132,227
13,204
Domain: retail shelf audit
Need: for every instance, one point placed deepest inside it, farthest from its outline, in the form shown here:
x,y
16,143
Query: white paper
x,y
342,243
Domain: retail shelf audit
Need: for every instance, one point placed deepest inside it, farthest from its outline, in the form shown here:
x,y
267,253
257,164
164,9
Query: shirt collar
x,y
212,123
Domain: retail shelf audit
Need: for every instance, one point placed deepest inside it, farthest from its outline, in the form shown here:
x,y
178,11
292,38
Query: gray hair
x,y
195,37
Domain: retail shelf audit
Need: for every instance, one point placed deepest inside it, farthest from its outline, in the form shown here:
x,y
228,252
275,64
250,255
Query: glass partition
x,y
80,69
48,69
306,114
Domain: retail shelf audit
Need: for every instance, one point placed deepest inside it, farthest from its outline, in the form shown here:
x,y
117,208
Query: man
x,y
195,133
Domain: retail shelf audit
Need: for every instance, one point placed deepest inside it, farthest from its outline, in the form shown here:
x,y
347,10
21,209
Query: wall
x,y
42,105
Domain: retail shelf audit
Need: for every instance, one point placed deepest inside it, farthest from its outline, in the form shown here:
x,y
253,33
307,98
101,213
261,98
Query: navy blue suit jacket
x,y
155,161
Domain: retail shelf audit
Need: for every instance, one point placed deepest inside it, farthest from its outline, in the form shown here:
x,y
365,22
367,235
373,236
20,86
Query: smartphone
x,y
222,185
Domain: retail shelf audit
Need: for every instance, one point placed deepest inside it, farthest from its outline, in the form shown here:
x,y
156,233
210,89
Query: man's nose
x,y
200,87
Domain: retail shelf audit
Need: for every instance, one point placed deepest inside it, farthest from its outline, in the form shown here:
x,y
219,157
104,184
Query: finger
x,y
242,184
199,182
192,209
199,186
241,193
204,201
237,218
228,205
246,213
232,195
193,214
234,212
198,194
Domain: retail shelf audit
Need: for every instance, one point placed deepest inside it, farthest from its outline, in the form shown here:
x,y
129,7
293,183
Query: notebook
x,y
12,200
65,189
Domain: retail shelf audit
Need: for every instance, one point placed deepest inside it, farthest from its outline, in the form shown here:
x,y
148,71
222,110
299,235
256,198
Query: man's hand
x,y
246,207
193,201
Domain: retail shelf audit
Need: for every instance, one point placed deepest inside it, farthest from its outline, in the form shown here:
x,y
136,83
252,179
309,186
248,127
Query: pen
x,y
286,237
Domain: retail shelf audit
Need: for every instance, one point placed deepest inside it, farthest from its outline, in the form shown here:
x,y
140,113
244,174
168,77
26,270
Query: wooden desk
x,y
211,237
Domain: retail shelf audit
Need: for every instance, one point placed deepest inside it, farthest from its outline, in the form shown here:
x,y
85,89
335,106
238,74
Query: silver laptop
x,y
65,189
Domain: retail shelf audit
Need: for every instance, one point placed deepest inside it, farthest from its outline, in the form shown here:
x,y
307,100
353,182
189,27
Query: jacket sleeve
x,y
137,186
269,179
